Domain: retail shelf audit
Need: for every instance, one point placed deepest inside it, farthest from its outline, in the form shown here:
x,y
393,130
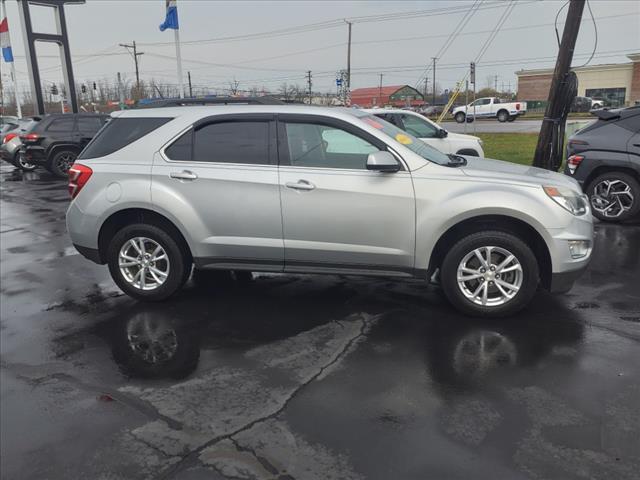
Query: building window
x,y
612,97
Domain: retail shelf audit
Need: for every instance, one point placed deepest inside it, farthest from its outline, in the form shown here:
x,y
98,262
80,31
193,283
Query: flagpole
x,y
179,59
13,68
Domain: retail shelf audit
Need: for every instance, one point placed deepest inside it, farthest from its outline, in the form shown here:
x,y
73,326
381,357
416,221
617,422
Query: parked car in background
x,y
432,110
581,104
431,133
56,140
345,192
490,107
8,124
597,103
10,146
604,157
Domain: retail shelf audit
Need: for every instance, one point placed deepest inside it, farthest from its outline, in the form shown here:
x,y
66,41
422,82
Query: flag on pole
x,y
5,41
171,19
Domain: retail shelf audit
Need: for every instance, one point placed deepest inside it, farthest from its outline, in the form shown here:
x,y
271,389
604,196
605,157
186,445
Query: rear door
x,y
337,215
219,180
86,128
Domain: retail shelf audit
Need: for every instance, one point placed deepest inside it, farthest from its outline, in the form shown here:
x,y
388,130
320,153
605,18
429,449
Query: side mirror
x,y
442,133
382,162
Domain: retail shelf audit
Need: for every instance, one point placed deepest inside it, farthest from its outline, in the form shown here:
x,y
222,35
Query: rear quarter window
x,y
118,133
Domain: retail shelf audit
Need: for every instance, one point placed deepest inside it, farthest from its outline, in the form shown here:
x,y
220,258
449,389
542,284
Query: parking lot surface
x,y
520,125
305,377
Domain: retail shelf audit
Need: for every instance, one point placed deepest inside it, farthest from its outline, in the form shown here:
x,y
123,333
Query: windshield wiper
x,y
456,161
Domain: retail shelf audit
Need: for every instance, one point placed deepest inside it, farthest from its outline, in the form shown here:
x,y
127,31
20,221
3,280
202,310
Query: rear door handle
x,y
300,185
184,175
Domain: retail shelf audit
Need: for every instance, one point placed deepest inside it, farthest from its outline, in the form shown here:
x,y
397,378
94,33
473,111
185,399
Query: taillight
x,y
29,137
7,138
517,106
573,161
79,175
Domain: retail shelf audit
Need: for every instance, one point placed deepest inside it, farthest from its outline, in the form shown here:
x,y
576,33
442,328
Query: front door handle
x,y
300,185
184,175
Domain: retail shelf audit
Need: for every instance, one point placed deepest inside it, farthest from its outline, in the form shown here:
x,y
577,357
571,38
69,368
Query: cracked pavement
x,y
305,377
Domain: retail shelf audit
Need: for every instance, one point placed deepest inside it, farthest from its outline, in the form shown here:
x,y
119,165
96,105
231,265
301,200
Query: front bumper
x,y
562,282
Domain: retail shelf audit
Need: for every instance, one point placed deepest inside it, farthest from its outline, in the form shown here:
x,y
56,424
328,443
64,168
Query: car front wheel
x,y
147,263
490,274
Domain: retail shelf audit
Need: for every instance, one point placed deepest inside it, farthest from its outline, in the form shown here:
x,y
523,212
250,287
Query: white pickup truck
x,y
490,107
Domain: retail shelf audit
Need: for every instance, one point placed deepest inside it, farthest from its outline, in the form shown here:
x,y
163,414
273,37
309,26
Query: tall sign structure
x,y
60,37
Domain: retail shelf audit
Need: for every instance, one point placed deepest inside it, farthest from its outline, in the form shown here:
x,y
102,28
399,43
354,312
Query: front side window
x,y
323,146
418,127
232,142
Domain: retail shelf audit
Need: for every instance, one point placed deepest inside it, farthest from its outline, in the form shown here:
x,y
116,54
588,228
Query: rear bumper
x,y
89,253
35,155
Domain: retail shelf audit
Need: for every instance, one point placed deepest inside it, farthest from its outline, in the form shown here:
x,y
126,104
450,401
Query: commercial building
x,y
618,84
394,95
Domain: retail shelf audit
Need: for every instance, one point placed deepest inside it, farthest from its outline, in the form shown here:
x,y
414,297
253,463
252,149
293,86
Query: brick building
x,y
395,95
618,84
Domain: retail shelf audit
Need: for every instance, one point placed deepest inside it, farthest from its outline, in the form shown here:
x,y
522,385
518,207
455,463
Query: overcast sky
x,y
398,48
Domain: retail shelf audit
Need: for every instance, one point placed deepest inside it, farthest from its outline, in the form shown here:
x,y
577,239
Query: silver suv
x,y
319,190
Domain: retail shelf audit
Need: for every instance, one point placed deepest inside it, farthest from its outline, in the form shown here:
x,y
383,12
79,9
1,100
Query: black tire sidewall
x,y
54,163
458,116
448,275
177,262
635,189
502,117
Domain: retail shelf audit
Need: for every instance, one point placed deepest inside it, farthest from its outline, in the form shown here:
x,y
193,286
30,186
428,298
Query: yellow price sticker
x,y
403,139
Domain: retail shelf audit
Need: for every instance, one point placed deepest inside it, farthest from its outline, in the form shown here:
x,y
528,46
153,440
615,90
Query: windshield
x,y
412,143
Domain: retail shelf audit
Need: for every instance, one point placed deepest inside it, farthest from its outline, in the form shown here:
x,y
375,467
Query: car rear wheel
x,y
459,117
614,197
490,274
23,165
503,116
147,263
62,161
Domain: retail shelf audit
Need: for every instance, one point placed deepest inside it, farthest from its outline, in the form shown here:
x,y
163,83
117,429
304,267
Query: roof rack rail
x,y
181,102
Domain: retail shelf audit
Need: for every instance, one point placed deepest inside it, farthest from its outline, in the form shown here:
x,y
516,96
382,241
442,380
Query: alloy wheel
x,y
153,341
612,198
65,161
143,263
490,276
25,164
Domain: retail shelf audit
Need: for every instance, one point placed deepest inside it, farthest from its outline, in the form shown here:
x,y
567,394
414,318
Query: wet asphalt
x,y
305,377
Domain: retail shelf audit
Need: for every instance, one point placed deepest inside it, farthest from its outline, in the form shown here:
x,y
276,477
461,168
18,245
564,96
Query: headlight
x,y
568,199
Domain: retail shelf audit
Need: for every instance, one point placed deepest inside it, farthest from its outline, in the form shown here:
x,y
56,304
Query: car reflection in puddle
x,y
164,340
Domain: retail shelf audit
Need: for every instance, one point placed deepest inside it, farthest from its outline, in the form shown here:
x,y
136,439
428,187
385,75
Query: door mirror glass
x,y
382,162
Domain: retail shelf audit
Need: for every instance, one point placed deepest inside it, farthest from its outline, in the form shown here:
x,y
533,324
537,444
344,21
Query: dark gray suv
x,y
604,158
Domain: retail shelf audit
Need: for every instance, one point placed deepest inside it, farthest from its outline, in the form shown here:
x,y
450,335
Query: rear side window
x,y
631,123
61,125
118,133
90,125
224,142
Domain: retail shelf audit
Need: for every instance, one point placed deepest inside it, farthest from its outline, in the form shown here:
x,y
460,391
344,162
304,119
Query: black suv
x,y
57,139
605,158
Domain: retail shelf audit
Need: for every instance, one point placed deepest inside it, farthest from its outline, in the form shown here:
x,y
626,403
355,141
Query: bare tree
x,y
233,86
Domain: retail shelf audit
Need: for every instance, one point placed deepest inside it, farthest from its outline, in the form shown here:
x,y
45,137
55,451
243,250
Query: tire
x,y
502,244
61,162
23,164
459,117
616,207
147,286
512,118
503,116
470,119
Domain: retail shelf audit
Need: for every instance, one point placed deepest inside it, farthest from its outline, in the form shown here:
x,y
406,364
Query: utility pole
x,y
309,83
555,103
380,90
190,88
135,55
349,57
495,82
434,79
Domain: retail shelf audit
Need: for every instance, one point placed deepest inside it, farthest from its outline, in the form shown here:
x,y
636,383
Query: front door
x,y
337,215
220,181
425,131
